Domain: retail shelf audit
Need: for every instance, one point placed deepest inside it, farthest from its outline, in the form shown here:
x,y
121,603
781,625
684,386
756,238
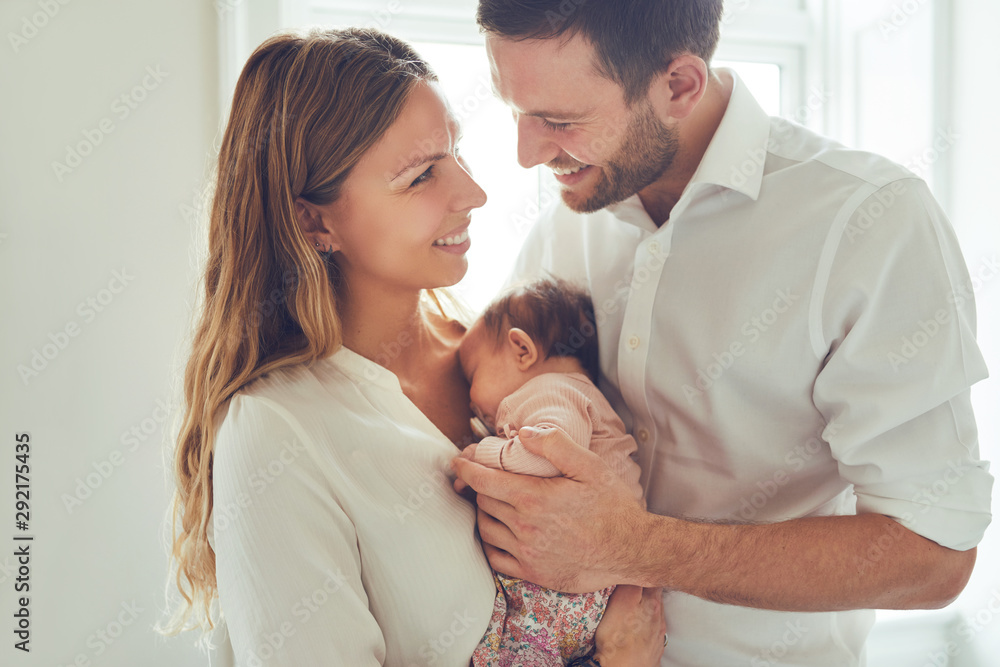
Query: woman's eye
x,y
426,174
557,127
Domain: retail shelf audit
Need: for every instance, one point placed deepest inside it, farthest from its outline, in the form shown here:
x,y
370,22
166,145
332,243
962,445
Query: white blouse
x,y
338,537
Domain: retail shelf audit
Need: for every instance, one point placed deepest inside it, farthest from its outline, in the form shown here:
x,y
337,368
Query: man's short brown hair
x,y
633,39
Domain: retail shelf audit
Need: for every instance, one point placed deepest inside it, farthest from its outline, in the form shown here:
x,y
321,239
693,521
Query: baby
x,y
532,360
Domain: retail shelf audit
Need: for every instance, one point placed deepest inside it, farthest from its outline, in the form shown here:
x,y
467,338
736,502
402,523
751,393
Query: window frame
x,y
782,32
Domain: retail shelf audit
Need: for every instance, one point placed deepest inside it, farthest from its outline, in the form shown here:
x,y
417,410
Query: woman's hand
x,y
633,630
470,451
461,488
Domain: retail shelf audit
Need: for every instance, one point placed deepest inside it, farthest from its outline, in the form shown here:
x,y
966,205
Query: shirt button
x,y
654,248
643,435
633,342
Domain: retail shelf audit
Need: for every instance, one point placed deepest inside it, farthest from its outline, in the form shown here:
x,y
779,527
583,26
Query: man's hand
x,y
572,533
585,531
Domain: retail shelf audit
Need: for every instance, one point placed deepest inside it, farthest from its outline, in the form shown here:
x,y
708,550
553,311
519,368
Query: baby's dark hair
x,y
558,316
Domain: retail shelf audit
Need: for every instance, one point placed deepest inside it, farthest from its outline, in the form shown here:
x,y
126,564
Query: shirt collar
x,y
735,157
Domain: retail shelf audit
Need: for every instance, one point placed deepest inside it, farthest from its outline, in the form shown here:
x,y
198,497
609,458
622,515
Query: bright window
x,y
489,145
763,80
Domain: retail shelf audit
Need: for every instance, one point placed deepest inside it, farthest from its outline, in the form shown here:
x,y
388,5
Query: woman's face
x,y
402,221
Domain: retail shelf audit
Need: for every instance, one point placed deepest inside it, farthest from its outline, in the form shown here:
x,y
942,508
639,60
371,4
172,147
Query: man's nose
x,y
533,146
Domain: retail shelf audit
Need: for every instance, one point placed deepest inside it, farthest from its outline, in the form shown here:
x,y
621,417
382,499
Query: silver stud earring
x,y
326,252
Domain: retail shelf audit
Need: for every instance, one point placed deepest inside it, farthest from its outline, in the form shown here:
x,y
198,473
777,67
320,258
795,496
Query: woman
x,y
324,395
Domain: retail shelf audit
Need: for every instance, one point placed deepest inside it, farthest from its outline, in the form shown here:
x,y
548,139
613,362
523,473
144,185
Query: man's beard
x,y
646,152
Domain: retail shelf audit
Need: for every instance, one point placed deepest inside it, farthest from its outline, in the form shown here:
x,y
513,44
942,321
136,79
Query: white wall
x,y
62,238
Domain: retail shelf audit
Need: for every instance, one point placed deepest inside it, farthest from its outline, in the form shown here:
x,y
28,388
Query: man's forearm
x,y
814,564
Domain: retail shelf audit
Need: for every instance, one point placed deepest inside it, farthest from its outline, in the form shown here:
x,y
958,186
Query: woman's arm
x,y
287,561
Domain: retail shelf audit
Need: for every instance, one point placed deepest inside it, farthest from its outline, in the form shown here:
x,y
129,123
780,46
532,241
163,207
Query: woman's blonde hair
x,y
305,110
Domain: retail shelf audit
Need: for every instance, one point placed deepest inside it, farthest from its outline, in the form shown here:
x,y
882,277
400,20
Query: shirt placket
x,y
634,343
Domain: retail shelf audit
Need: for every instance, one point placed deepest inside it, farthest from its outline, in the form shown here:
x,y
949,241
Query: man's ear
x,y
524,349
315,223
675,93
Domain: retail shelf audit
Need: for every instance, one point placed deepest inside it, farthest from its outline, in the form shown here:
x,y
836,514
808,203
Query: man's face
x,y
575,121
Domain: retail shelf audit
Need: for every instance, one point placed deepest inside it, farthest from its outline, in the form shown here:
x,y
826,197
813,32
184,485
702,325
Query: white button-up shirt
x,y
797,340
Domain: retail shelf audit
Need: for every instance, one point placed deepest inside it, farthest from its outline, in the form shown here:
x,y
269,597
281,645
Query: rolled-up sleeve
x,y
287,559
896,322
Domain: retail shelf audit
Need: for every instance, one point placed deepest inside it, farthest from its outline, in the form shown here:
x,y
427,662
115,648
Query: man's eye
x,y
557,127
425,175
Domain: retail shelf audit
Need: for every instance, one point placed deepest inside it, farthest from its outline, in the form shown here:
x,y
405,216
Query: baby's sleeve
x,y
543,404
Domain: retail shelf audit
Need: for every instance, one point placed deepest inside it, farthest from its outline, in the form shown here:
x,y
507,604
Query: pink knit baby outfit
x,y
533,626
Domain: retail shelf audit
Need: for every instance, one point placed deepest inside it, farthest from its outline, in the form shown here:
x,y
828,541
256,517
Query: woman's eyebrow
x,y
454,129
417,161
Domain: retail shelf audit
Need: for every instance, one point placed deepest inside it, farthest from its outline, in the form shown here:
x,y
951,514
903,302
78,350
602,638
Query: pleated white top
x,y
338,537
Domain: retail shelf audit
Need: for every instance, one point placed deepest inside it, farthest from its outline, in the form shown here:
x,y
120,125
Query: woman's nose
x,y
473,196
478,194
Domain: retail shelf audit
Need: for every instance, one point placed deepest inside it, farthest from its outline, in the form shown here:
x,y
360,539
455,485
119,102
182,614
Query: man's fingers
x,y
507,487
484,480
555,445
503,562
497,509
495,533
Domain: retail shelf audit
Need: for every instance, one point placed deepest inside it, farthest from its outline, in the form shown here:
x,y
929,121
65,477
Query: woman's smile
x,y
457,241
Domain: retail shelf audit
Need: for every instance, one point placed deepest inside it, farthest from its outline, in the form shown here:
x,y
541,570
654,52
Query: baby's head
x,y
542,327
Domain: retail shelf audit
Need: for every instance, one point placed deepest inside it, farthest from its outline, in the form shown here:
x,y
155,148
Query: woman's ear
x,y
315,224
675,93
524,349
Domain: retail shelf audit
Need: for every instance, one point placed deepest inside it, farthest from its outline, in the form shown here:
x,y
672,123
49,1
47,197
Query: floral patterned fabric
x,y
533,626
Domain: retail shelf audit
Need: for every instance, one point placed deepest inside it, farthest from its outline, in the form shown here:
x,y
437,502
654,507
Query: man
x,y
785,325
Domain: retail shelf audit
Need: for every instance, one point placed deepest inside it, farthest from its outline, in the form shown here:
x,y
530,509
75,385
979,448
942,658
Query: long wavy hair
x,y
306,108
